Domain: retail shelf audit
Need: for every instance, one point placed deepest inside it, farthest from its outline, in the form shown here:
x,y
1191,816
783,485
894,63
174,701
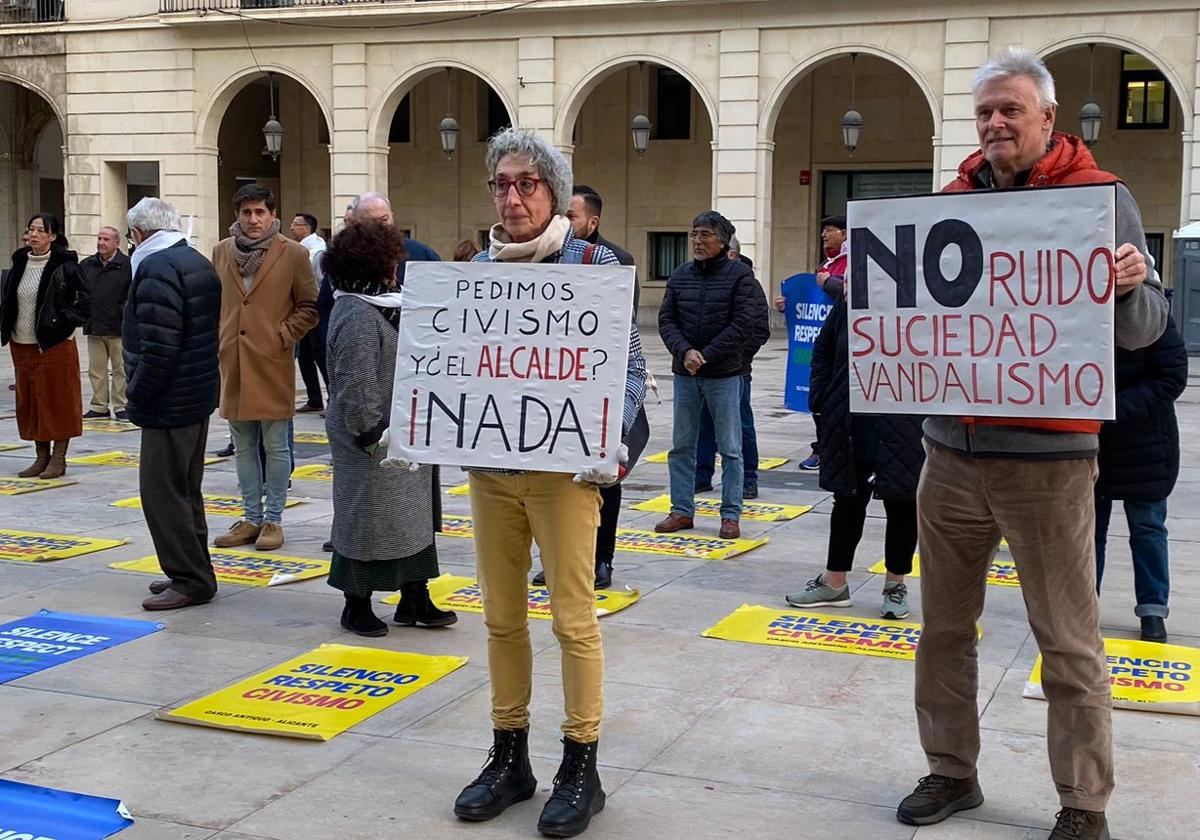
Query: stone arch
x,y
40,91
774,102
209,117
568,110
1121,42
381,114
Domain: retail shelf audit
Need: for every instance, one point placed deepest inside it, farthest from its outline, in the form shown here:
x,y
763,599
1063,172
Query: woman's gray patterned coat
x,y
378,514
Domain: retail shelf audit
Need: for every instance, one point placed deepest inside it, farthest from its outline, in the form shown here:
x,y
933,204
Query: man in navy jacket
x,y
170,352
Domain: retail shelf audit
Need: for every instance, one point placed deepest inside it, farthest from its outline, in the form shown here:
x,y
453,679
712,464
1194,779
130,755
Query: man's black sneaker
x,y
1074,824
937,797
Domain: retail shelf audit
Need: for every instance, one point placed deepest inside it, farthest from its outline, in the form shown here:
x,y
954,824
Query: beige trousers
x,y
510,511
1045,511
103,350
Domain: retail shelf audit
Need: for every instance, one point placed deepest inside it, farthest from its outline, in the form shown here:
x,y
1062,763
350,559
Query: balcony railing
x,y
234,5
31,11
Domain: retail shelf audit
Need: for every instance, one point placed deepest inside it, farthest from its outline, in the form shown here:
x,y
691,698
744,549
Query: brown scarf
x,y
248,252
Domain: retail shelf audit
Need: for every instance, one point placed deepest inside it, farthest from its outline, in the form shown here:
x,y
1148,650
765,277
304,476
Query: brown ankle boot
x,y
58,461
43,459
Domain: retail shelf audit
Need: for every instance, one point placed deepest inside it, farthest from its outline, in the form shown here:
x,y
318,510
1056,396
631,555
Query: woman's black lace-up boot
x,y
506,778
577,793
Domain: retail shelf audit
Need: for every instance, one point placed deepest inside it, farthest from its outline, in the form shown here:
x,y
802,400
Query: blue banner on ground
x,y
38,813
41,641
806,308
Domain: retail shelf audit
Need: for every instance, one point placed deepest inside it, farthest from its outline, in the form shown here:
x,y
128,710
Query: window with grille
x,y
668,251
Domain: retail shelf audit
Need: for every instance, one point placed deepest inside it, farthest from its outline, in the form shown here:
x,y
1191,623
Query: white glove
x,y
603,475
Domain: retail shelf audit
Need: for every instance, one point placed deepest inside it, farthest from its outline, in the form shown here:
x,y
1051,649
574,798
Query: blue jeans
x,y
722,397
262,451
706,448
274,437
1148,542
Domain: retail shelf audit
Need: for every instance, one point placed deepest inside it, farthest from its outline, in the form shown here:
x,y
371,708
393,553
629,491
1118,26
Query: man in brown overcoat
x,y
268,303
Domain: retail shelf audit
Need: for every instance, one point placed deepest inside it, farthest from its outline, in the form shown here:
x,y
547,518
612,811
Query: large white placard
x,y
511,365
984,303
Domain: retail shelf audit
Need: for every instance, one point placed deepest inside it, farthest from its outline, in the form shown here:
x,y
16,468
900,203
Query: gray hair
x,y
734,245
550,163
365,200
1017,61
719,225
151,215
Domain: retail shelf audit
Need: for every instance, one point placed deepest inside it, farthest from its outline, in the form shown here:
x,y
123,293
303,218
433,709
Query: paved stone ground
x,y
702,738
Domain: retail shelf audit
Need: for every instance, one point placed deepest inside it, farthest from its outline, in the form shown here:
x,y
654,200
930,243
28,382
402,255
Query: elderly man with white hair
x,y
1029,480
170,351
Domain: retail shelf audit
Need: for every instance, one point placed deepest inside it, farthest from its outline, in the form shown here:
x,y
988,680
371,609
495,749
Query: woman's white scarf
x,y
503,249
387,300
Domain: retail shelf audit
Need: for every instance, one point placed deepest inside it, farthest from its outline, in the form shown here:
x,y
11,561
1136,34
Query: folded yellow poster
x,y
246,568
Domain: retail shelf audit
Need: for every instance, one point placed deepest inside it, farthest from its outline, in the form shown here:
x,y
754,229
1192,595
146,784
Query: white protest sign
x,y
984,303
511,365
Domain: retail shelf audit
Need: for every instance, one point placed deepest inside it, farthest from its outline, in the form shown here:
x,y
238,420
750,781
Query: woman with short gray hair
x,y
531,185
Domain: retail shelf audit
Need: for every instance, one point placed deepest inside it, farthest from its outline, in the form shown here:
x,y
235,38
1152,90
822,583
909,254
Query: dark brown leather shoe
x,y
159,586
169,600
674,522
730,530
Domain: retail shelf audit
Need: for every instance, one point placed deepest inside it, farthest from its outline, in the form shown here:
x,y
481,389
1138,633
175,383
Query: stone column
x,y
967,47
535,79
355,165
1190,205
740,193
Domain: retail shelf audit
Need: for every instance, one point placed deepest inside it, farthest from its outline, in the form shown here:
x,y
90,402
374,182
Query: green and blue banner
x,y
806,307
39,813
41,641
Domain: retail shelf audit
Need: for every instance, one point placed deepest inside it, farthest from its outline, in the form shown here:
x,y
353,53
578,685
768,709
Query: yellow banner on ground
x,y
32,547
1000,573
318,694
247,568
213,505
12,486
8,447
454,525
753,511
118,458
763,463
463,489
815,631
1145,677
314,472
452,592
679,545
646,542
108,426
311,437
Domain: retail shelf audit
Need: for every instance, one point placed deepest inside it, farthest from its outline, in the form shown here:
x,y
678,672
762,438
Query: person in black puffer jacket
x,y
708,316
861,455
1139,463
170,352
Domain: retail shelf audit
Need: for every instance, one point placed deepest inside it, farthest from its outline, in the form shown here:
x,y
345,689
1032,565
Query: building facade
x,y
103,101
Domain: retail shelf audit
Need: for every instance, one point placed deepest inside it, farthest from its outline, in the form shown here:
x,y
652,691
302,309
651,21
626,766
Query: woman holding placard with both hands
x,y
531,185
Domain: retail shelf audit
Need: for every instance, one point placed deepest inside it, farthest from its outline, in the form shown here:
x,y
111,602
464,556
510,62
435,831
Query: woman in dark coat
x,y
43,303
383,518
1139,463
861,455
